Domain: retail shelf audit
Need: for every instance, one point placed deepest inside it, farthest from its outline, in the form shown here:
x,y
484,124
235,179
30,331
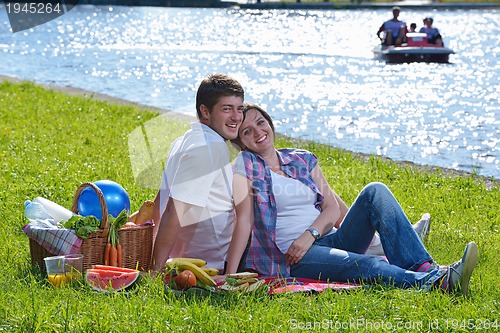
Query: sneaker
x,y
423,227
459,273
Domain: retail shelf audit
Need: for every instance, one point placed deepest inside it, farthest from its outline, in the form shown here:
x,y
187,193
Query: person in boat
x,y
433,35
299,227
413,27
393,29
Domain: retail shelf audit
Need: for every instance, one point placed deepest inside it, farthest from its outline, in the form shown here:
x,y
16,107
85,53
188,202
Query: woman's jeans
x,y
340,256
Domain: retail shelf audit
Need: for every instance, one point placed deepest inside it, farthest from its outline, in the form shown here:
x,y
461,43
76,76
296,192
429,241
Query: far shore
x,y
488,180
293,5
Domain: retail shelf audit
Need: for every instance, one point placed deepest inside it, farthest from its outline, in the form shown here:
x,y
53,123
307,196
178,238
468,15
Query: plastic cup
x,y
73,266
64,269
56,272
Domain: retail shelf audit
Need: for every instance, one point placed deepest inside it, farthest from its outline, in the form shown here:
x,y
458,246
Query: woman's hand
x,y
299,247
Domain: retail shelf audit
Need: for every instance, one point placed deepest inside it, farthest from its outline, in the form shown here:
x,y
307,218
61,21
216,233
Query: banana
x,y
211,271
203,285
197,271
194,261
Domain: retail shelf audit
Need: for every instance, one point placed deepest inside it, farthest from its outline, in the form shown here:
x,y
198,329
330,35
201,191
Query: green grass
x,y
51,142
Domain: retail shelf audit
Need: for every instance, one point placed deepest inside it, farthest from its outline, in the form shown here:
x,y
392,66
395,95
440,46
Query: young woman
x,y
298,226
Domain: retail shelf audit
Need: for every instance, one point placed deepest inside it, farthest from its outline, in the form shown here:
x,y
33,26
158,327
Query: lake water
x,y
312,70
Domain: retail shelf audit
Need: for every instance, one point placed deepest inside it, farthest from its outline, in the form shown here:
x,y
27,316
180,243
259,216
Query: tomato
x,y
185,279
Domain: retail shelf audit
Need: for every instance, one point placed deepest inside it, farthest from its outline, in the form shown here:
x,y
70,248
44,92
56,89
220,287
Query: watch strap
x,y
314,232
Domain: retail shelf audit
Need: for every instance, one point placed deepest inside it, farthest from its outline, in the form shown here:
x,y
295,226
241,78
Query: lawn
x,y
51,142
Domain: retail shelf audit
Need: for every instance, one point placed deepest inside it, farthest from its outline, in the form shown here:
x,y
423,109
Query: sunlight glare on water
x,y
312,70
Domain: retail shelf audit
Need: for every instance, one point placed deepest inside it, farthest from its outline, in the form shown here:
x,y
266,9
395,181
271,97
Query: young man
x,y
194,211
394,29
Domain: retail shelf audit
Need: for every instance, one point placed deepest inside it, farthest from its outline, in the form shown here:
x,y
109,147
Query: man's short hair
x,y
215,86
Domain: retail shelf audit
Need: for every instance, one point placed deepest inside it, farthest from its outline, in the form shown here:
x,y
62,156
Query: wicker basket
x,y
137,242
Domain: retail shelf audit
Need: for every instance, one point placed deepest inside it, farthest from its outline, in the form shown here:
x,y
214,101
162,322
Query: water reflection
x,y
313,70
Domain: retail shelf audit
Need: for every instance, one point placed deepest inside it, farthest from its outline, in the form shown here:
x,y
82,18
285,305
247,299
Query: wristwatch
x,y
314,232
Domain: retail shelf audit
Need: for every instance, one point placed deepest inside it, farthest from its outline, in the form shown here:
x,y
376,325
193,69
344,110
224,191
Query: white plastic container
x,y
55,210
38,216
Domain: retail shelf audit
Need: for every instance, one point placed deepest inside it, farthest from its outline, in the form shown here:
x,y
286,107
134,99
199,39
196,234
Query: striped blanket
x,y
56,241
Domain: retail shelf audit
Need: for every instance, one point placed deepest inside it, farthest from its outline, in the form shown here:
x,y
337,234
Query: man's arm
x,y
156,215
167,232
380,30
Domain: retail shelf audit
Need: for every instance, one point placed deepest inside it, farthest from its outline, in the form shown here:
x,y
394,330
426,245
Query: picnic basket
x,y
137,242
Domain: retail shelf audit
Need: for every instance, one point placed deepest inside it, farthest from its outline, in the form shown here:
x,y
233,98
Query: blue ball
x,y
116,198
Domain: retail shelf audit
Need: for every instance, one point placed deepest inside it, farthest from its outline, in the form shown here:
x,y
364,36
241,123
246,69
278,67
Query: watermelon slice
x,y
115,269
110,280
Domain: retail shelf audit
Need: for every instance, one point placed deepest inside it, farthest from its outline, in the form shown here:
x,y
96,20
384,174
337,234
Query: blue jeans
x,y
340,256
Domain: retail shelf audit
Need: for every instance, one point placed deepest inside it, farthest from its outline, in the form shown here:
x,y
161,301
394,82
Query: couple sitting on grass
x,y
275,213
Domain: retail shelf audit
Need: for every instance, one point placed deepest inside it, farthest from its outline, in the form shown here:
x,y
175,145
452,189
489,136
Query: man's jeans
x,y
340,256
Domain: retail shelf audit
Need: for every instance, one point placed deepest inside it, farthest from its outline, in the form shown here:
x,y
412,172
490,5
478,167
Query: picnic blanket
x,y
56,241
275,285
294,284
278,285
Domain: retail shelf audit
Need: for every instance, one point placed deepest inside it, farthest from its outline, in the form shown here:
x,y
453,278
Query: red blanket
x,y
291,285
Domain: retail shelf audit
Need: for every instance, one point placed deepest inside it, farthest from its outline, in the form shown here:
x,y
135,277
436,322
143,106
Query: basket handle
x,y
104,208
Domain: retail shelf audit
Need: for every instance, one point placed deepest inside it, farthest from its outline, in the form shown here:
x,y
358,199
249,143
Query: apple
x,y
185,280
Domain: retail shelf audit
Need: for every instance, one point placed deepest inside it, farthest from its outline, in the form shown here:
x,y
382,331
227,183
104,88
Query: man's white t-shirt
x,y
198,172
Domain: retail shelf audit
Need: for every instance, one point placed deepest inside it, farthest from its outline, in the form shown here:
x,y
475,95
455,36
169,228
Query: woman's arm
x,y
330,216
243,199
332,210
